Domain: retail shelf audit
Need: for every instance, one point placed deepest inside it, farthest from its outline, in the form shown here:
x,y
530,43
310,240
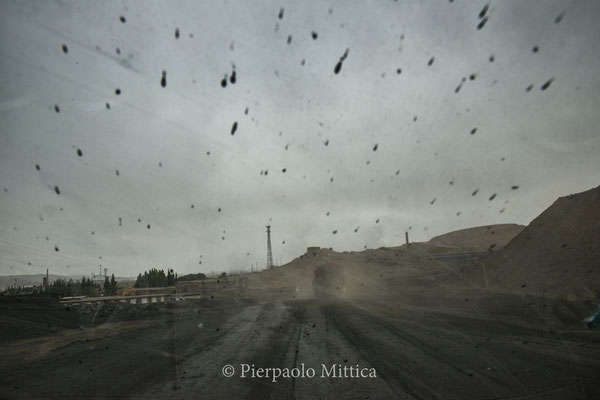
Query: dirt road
x,y
476,347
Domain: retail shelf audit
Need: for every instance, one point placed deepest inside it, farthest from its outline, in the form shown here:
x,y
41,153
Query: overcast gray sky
x,y
372,145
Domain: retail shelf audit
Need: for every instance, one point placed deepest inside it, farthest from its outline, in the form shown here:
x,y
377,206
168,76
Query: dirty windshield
x,y
300,199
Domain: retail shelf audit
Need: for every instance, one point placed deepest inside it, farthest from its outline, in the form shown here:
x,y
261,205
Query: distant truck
x,y
329,280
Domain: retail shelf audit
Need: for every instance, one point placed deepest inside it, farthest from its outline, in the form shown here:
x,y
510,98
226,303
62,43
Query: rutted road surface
x,y
417,352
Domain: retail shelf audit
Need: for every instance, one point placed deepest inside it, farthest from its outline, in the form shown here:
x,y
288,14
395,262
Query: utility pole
x,y
45,281
269,252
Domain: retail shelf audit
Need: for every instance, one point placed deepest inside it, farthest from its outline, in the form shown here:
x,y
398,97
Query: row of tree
x,y
156,278
63,288
83,287
192,277
86,287
18,289
110,287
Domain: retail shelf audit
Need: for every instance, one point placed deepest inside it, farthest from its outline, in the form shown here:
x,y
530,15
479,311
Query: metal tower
x,y
269,252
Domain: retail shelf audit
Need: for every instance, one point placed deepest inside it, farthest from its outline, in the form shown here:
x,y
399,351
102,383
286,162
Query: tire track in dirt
x,y
386,369
296,350
383,351
275,354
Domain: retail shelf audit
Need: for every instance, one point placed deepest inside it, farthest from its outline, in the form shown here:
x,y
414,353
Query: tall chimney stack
x,y
406,235
269,252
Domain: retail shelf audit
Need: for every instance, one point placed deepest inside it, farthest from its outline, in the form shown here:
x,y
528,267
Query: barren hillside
x,y
367,272
479,238
558,254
